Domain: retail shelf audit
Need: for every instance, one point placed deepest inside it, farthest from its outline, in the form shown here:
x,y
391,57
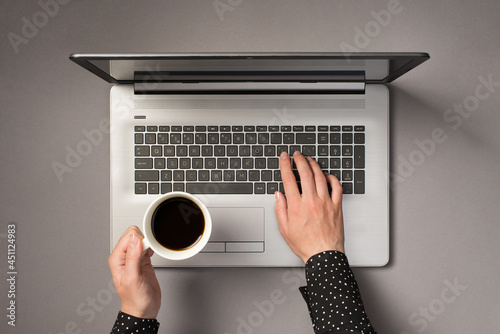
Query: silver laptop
x,y
214,124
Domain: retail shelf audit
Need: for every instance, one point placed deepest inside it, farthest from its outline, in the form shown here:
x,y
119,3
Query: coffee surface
x,y
178,223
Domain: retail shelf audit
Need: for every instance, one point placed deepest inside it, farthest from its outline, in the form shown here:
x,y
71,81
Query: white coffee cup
x,y
150,241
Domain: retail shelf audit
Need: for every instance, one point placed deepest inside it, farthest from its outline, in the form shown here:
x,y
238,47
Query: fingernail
x,y
277,195
283,155
309,158
132,241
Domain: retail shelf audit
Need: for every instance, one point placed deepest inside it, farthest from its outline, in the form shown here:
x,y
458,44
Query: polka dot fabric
x,y
332,296
128,324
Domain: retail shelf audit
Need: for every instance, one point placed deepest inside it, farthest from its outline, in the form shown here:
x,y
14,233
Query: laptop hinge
x,y
249,88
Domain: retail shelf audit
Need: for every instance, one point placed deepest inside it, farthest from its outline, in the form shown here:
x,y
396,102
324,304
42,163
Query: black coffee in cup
x,y
178,223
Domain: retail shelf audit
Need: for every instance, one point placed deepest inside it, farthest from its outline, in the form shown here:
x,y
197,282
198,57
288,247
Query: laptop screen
x,y
250,67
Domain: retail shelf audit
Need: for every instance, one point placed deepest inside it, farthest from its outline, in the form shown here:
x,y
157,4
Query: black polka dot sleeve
x,y
332,296
128,324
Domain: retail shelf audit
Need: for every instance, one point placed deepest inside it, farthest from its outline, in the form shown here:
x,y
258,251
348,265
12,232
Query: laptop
x,y
214,124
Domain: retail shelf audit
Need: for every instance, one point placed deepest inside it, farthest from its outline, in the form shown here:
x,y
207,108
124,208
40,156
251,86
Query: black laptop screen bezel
x,y
399,63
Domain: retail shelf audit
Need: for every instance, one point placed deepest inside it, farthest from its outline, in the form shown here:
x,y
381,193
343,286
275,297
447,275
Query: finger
x,y
336,189
319,179
306,174
117,257
133,257
289,181
281,212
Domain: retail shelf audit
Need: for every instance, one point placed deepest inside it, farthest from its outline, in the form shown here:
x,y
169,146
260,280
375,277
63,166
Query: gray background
x,y
444,216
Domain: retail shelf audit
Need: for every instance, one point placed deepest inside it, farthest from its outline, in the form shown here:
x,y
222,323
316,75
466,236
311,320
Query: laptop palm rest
x,y
236,230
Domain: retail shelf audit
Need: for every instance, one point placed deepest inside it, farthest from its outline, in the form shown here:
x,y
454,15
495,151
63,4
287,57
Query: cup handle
x,y
145,245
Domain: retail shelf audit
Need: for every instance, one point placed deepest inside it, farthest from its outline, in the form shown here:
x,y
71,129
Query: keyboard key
x,y
146,175
347,150
274,128
184,163
336,173
182,151
237,128
346,128
359,156
273,163
254,175
309,150
178,175
260,163
323,151
323,163
210,163
347,163
164,128
238,138
178,186
288,138
232,151
169,150
266,175
200,138
272,188
229,175
166,188
219,151
359,128
225,138
225,128
216,175
334,138
346,138
150,138
305,138
261,128
203,175
166,175
176,128
235,163
194,151
259,188
188,138
277,175
257,150
219,188
143,163
152,128
249,128
222,163
153,188
276,138
175,138
335,150
245,151
141,151
250,138
347,175
188,128
162,138
140,128
286,128
298,128
347,187
241,175
334,162
159,163
138,138
172,163
156,151
140,188
213,128
323,128
359,138
207,151
322,138
200,128
310,128
263,138
334,128
270,151
359,181
247,163
197,163
213,138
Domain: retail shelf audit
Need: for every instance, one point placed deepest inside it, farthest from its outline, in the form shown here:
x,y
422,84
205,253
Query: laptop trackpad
x,y
237,224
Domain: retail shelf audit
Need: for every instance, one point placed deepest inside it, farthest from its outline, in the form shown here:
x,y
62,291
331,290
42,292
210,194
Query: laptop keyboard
x,y
242,159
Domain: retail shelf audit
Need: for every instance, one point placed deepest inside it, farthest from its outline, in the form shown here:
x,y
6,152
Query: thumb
x,y
133,257
281,211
